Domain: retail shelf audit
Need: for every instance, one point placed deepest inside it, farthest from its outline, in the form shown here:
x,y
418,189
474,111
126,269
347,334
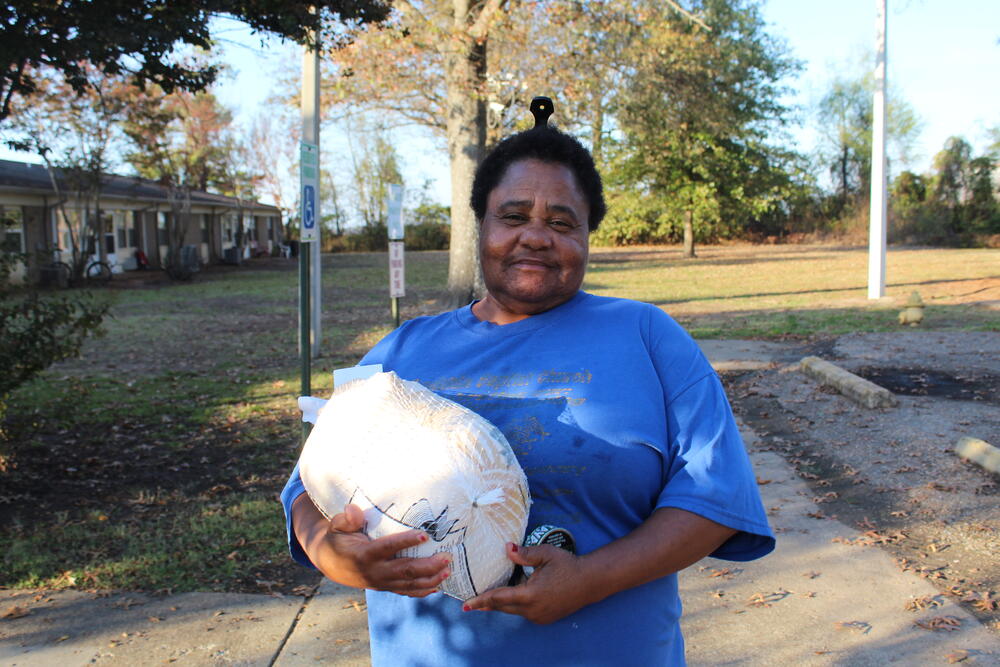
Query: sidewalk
x,y
812,602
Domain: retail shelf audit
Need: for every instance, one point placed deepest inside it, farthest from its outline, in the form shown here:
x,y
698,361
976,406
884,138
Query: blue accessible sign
x,y
309,177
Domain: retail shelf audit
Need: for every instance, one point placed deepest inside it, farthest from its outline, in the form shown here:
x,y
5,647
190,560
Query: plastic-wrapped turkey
x,y
412,459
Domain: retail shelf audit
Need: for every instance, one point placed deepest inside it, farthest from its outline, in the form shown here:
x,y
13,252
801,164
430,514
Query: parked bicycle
x,y
58,273
97,273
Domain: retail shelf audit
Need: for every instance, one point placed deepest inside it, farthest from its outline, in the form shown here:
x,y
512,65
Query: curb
x,y
858,389
979,451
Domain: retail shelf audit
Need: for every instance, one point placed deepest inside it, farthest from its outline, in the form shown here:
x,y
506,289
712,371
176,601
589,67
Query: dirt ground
x,y
893,472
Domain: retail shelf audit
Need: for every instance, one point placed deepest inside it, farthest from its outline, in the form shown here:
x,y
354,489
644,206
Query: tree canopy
x,y
143,37
696,113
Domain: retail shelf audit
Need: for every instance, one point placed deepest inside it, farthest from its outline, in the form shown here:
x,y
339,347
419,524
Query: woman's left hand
x,y
556,589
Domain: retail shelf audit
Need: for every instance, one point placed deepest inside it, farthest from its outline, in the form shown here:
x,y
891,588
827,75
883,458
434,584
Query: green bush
x,y
428,236
370,238
37,330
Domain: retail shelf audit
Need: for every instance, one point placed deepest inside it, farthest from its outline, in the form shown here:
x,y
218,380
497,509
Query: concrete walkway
x,y
812,602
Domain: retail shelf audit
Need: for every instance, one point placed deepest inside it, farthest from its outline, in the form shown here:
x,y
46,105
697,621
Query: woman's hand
x,y
667,542
344,554
558,587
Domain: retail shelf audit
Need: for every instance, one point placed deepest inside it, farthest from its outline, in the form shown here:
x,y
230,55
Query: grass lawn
x,y
154,461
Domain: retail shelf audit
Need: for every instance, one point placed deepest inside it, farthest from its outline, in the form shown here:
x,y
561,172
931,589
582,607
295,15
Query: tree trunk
x,y
688,234
466,132
597,129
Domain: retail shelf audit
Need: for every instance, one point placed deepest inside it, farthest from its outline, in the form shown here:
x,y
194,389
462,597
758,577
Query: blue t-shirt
x,y
613,412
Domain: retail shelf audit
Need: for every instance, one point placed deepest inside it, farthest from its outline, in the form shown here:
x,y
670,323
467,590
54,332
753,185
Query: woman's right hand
x,y
344,554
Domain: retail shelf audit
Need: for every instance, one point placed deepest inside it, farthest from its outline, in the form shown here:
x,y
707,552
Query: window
x,y
249,228
270,228
108,225
133,229
204,228
122,220
13,228
161,229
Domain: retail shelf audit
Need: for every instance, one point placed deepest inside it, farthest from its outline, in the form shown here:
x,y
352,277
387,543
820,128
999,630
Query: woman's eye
x,y
561,224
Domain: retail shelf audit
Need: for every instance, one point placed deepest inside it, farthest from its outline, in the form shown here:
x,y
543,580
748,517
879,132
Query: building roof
x,y
26,178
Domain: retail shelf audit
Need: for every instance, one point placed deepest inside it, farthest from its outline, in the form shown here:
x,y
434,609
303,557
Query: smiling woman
x,y
532,242
620,424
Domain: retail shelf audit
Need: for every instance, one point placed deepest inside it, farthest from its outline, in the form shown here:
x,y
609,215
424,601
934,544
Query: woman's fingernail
x,y
466,607
423,537
513,547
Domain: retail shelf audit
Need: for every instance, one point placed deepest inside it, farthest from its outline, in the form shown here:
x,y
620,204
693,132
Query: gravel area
x,y
892,473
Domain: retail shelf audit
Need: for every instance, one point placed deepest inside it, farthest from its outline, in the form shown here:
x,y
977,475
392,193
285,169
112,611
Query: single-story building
x,y
135,217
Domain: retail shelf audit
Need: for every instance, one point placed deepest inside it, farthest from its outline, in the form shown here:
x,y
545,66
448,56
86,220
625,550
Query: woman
x,y
618,420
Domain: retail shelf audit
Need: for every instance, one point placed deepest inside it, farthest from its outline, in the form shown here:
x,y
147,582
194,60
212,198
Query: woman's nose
x,y
536,235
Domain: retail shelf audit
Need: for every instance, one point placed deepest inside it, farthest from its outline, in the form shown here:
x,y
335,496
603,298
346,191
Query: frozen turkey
x,y
412,459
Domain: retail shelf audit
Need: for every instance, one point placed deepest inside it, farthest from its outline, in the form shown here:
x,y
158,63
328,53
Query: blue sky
x,y
944,59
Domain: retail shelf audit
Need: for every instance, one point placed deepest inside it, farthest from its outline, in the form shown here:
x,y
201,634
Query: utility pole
x,y
877,217
309,240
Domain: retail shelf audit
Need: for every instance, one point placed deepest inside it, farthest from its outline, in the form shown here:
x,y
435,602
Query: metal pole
x,y
304,330
308,322
310,135
879,205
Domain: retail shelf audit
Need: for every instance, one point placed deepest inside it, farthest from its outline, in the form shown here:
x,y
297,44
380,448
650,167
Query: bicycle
x,y
56,273
98,273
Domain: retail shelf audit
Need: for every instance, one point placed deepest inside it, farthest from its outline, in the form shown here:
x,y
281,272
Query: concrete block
x,y
858,389
979,451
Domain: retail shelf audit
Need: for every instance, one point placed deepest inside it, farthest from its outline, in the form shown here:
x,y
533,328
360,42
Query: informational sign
x,y
397,280
309,176
396,212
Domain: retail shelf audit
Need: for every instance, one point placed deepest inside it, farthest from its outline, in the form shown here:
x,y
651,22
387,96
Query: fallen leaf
x,y
725,572
957,656
925,602
982,601
358,605
939,487
940,623
862,627
866,524
765,599
15,612
127,603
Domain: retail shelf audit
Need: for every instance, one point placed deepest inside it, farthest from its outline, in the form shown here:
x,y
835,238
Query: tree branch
x,y
688,15
487,14
407,8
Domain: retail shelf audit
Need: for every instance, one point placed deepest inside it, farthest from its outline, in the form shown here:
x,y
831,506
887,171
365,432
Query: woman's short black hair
x,y
546,144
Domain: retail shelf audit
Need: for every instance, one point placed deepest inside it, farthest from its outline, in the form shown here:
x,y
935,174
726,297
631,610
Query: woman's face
x,y
533,241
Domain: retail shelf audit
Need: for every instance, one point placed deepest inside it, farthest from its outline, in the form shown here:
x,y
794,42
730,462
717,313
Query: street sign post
x,y
397,274
395,206
309,176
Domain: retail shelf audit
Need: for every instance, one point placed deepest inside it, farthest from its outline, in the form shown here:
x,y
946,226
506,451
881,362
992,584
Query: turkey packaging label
x,y
412,459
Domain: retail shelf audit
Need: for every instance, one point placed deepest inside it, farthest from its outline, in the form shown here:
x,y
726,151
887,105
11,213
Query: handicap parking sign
x,y
309,206
309,177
